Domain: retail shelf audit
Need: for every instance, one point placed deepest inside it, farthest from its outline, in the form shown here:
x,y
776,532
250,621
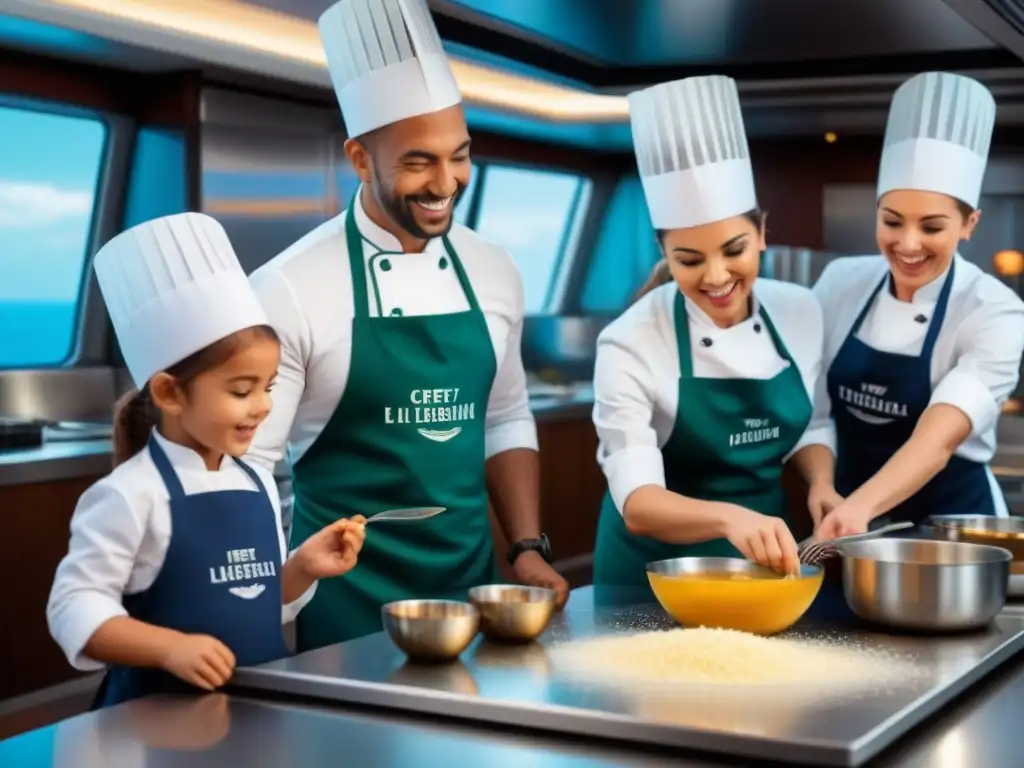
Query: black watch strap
x,y
540,545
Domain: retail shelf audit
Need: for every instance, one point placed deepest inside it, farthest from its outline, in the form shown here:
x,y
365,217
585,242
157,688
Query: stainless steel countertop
x,y
524,684
217,730
72,459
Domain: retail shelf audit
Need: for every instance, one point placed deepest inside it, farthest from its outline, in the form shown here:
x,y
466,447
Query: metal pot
x,y
1005,532
919,584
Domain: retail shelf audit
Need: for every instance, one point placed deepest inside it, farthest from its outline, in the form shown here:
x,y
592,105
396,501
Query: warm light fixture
x,y
830,137
189,27
1008,263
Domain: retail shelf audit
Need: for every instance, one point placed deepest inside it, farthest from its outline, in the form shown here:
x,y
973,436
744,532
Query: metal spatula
x,y
405,515
814,552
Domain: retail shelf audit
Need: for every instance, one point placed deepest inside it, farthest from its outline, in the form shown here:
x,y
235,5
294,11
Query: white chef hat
x,y
386,62
173,286
937,137
691,150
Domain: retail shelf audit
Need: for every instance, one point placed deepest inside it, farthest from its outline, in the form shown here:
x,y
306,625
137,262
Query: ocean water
x,y
36,333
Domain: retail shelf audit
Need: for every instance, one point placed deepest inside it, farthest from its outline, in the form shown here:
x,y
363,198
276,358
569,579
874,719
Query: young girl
x,y
177,568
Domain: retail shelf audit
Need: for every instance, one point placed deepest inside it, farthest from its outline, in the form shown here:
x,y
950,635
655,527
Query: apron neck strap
x,y
357,264
780,345
937,317
682,323
170,477
167,473
252,475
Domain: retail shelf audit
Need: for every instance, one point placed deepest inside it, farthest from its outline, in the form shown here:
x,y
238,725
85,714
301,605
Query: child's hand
x,y
333,550
201,660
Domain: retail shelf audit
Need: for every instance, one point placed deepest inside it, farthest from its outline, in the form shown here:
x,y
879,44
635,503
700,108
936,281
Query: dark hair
x,y
135,414
661,275
965,209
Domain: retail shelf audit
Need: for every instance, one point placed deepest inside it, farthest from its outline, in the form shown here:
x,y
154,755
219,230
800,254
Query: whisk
x,y
812,552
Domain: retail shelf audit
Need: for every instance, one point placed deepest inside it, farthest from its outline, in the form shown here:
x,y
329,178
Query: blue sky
x,y
49,165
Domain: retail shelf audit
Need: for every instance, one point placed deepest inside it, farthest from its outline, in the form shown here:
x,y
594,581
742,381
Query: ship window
x,y
626,251
536,215
50,167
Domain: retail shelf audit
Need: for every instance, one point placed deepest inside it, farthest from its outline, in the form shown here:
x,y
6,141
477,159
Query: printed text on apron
x,y
408,432
877,399
220,577
728,443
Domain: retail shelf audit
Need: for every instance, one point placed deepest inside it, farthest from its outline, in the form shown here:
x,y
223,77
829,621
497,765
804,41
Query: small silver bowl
x,y
431,630
512,612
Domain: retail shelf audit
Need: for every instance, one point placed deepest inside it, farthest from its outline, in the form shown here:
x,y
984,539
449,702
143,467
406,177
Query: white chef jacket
x,y
120,532
636,376
307,292
976,362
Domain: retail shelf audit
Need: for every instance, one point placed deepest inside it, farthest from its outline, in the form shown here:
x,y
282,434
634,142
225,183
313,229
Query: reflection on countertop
x,y
67,456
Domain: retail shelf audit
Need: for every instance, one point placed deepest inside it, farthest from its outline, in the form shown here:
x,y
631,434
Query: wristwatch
x,y
541,545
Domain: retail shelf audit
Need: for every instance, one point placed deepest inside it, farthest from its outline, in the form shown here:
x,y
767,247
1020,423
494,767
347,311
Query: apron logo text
x,y
756,431
871,398
243,566
433,406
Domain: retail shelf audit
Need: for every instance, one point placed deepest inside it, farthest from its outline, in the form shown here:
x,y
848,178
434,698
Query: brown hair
x,y
135,414
662,275
965,209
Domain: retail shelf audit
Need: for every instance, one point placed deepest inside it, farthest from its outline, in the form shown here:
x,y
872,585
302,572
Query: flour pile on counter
x,y
729,658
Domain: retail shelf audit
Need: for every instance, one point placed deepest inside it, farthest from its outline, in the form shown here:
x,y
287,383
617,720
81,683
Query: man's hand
x,y
534,571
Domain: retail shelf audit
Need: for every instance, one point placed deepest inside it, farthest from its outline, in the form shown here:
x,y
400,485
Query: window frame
x,y
89,336
560,284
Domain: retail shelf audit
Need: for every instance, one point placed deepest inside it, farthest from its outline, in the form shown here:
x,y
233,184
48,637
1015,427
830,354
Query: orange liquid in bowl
x,y
763,605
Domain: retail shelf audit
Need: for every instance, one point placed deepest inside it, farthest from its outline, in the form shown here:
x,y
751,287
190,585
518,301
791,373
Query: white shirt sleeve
x,y
624,393
289,610
286,317
989,345
106,533
820,430
510,421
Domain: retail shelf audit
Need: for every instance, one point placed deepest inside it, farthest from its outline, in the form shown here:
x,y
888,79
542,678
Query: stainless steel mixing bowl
x,y
431,630
919,584
1005,532
513,612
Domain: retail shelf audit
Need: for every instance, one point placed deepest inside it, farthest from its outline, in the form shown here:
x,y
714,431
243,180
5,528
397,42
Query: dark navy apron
x,y
877,399
221,577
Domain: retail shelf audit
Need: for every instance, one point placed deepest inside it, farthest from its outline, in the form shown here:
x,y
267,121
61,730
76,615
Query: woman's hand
x,y
845,520
821,500
763,539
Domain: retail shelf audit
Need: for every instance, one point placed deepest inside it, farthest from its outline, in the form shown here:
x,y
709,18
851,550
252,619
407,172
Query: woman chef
x,y
922,348
704,387
177,568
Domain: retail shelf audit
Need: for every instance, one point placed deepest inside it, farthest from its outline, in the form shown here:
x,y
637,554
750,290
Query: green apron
x,y
408,432
727,444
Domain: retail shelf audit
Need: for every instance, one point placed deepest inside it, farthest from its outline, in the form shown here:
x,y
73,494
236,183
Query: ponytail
x,y
134,418
660,275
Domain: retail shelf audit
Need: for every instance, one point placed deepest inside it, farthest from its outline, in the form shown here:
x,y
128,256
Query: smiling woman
x,y
923,348
918,232
49,170
703,387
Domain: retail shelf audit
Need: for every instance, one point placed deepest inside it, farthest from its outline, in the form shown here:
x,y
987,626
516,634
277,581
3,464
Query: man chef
x,y
401,381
